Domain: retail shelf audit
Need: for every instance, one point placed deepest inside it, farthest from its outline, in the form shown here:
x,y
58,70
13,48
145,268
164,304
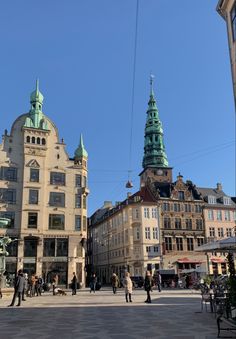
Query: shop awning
x,y
218,260
188,261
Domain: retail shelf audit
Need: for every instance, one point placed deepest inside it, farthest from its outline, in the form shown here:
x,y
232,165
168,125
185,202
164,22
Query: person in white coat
x,y
128,287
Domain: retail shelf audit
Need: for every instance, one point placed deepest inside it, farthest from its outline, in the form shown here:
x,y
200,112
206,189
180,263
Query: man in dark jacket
x,y
18,288
74,284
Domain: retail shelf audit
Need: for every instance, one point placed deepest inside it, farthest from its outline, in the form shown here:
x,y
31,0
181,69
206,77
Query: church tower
x,y
155,163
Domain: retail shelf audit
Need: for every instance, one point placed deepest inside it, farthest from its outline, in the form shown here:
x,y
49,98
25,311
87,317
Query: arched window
x,y
33,140
28,138
38,141
43,141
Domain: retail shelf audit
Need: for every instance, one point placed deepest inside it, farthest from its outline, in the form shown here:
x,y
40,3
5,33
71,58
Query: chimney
x,y
107,204
218,187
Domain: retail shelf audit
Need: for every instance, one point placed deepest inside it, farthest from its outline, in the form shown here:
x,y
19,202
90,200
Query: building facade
x,y
219,220
227,9
43,192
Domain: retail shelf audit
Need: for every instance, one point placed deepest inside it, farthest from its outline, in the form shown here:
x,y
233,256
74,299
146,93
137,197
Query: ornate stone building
x,y
43,193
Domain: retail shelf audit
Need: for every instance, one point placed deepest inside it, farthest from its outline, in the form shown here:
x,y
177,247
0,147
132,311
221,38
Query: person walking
x,y
148,283
158,281
128,285
74,284
54,284
114,282
18,288
93,283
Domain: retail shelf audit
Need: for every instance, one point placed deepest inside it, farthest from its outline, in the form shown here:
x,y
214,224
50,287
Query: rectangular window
x,y
234,215
188,224
147,233
8,220
49,247
178,223
34,175
8,173
33,197
187,208
233,21
176,207
181,195
154,212
226,201
212,232
220,232
57,178
155,232
210,215
78,180
56,222
166,206
148,249
190,244
84,202
84,223
30,247
155,249
228,232
200,241
211,199
198,208
179,244
227,215
57,199
7,196
219,215
78,222
84,181
135,213
167,222
137,233
62,247
146,213
168,243
199,225
32,220
78,201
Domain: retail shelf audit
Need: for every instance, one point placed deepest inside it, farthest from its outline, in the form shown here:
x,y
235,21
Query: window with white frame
x,y
226,201
210,215
219,215
166,206
147,233
228,232
154,212
211,199
176,207
212,231
148,249
155,233
220,232
146,213
227,215
155,249
135,213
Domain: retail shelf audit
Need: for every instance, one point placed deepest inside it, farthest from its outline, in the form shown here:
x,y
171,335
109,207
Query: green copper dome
x,y
154,149
81,151
36,118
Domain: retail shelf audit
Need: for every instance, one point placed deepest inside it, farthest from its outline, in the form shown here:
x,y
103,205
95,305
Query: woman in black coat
x,y
148,283
74,284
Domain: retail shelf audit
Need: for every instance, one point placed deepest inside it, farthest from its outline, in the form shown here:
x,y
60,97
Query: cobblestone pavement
x,y
173,314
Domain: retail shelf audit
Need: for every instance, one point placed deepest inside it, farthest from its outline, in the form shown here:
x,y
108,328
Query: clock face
x,y
159,172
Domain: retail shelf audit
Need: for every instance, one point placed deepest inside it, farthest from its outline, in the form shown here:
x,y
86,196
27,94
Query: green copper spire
x,y
81,151
36,118
154,149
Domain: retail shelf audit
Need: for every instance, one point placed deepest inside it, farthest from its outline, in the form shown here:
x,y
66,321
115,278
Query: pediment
x,y
33,163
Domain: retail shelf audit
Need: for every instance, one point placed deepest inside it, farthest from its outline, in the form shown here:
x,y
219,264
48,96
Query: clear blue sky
x,y
82,51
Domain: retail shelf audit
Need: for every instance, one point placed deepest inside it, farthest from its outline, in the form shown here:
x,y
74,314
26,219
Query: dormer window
x,y
211,199
226,201
181,195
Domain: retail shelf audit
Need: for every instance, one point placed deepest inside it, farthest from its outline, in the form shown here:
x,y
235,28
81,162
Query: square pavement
x,y
173,314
